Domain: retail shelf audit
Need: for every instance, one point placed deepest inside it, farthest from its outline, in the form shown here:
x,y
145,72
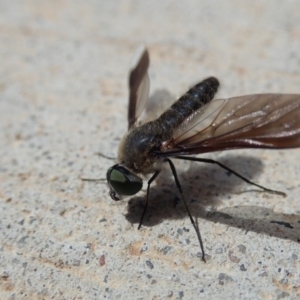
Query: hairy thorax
x,y
138,149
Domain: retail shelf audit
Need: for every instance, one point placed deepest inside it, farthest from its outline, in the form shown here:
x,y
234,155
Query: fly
x,y
197,124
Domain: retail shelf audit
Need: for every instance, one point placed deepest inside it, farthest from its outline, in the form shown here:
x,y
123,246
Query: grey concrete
x,y
63,99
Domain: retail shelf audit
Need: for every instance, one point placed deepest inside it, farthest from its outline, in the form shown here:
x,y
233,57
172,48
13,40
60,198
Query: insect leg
x,y
186,206
105,156
211,161
147,196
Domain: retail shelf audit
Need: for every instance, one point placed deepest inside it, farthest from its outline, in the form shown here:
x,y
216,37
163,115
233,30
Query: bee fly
x,y
197,124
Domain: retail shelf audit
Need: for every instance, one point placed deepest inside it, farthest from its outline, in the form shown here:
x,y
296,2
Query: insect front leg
x,y
147,196
186,207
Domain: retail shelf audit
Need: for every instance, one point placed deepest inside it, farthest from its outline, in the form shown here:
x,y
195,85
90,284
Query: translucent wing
x,y
252,121
138,88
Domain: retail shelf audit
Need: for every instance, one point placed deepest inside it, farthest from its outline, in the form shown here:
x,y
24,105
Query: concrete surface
x,y
63,99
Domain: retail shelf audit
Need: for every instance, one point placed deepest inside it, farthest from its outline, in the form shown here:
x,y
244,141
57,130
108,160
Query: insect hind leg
x,y
211,161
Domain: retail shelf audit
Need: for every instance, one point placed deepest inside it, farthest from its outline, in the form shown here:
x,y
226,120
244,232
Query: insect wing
x,y
138,88
201,119
252,121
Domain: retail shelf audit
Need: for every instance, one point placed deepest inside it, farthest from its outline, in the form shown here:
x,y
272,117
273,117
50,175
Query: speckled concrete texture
x,y
63,99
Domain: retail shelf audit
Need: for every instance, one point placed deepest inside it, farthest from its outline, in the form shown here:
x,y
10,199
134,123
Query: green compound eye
x,y
122,182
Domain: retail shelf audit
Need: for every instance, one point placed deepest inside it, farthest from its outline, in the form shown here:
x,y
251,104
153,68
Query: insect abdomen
x,y
194,99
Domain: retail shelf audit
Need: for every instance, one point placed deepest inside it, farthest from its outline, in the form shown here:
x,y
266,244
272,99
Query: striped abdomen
x,y
186,105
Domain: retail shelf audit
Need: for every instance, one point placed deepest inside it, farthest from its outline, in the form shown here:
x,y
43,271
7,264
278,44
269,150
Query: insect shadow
x,y
165,204
164,200
258,219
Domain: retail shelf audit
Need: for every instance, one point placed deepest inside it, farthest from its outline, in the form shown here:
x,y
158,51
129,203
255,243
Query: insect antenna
x,y
93,179
211,161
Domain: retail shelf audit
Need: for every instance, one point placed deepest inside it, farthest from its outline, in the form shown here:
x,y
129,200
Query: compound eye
x,y
122,182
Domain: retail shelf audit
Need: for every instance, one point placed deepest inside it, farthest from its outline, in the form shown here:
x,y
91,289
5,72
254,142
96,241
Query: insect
x,y
197,124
